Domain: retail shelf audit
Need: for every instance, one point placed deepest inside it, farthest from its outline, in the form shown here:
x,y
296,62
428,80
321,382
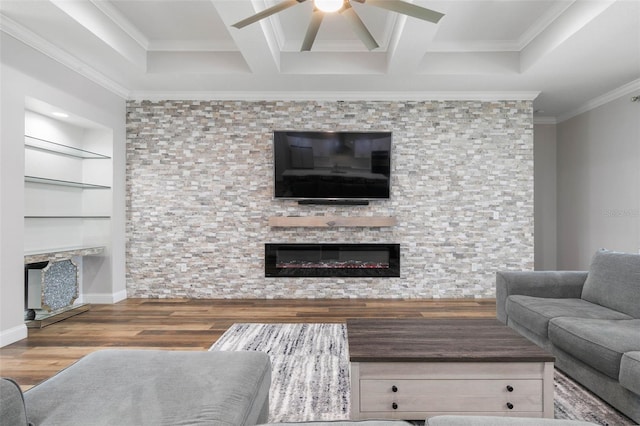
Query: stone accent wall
x,y
200,192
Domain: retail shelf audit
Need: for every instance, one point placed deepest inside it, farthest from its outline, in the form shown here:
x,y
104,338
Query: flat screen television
x,y
312,165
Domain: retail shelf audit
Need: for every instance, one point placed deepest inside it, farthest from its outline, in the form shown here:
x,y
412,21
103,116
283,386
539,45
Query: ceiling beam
x,y
409,42
256,42
119,19
105,29
572,20
46,47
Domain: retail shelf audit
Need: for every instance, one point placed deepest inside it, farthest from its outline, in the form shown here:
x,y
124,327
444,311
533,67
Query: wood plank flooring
x,y
188,324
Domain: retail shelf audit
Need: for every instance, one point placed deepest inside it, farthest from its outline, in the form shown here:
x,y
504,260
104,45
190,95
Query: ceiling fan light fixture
x,y
328,6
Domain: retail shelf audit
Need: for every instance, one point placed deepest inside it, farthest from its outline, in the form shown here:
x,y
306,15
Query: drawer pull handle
x,y
510,388
394,388
394,406
509,406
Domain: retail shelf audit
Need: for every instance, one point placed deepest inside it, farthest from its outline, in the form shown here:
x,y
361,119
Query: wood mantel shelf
x,y
332,221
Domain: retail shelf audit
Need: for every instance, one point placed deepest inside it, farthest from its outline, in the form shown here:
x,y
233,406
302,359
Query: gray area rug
x,y
310,374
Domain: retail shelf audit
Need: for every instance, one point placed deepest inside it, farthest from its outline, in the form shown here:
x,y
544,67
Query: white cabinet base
x,y
415,390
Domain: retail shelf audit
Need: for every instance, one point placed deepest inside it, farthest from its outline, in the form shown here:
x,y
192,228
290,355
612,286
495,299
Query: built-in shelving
x,y
67,217
58,182
48,147
68,178
58,148
332,221
67,184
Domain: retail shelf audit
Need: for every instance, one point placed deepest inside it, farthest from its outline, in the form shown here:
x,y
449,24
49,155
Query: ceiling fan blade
x,y
407,9
267,12
358,27
312,30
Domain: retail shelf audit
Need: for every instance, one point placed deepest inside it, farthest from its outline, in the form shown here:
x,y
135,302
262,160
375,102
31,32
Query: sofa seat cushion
x,y
614,281
630,371
12,410
534,313
148,387
598,343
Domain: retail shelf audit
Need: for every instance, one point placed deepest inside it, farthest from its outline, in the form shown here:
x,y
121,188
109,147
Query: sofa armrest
x,y
555,284
12,409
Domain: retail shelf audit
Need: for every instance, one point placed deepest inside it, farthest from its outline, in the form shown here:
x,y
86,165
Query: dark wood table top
x,y
439,340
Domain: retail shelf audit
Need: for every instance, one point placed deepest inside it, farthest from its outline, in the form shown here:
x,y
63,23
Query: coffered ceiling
x,y
563,53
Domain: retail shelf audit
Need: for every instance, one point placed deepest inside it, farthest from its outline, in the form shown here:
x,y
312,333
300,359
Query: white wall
x,y
26,73
545,181
599,182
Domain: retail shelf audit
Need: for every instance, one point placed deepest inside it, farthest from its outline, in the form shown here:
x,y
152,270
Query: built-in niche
x,y
68,174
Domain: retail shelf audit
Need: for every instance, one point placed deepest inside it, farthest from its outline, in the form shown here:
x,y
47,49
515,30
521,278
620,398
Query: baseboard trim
x,y
119,296
13,335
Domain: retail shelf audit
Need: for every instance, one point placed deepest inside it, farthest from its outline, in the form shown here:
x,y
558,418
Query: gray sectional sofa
x,y
129,387
207,411
146,387
589,320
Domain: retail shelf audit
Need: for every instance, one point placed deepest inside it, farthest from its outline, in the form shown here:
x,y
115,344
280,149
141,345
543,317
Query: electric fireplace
x,y
332,260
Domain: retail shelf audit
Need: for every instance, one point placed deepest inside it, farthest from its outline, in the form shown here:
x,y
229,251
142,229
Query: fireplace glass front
x,y
332,260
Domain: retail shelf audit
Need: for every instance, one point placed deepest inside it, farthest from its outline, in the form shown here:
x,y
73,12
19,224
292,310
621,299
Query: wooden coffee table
x,y
412,369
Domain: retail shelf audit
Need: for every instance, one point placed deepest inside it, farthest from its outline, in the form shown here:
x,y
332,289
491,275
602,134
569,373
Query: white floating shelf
x,y
58,148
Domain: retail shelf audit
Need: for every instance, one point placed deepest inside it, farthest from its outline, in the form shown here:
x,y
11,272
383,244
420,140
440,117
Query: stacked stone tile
x,y
200,192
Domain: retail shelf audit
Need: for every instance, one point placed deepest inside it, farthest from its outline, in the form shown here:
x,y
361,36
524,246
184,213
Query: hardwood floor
x,y
186,324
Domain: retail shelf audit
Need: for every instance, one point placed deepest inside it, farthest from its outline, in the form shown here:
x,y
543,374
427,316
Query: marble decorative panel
x,y
200,192
59,285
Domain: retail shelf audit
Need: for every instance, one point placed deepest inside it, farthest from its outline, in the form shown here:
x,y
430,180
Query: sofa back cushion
x,y
12,409
614,282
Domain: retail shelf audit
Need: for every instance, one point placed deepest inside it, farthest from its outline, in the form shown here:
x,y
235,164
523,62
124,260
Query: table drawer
x,y
450,395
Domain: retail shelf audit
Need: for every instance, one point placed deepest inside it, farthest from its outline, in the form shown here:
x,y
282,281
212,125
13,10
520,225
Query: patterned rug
x,y
310,374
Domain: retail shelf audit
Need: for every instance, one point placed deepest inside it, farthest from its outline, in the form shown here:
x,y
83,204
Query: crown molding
x,y
45,47
335,96
621,91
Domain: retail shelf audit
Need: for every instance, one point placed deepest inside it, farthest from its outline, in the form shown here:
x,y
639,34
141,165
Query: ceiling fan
x,y
344,8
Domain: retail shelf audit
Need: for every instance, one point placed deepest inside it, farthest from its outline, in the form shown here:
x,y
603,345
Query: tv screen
x,y
332,165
